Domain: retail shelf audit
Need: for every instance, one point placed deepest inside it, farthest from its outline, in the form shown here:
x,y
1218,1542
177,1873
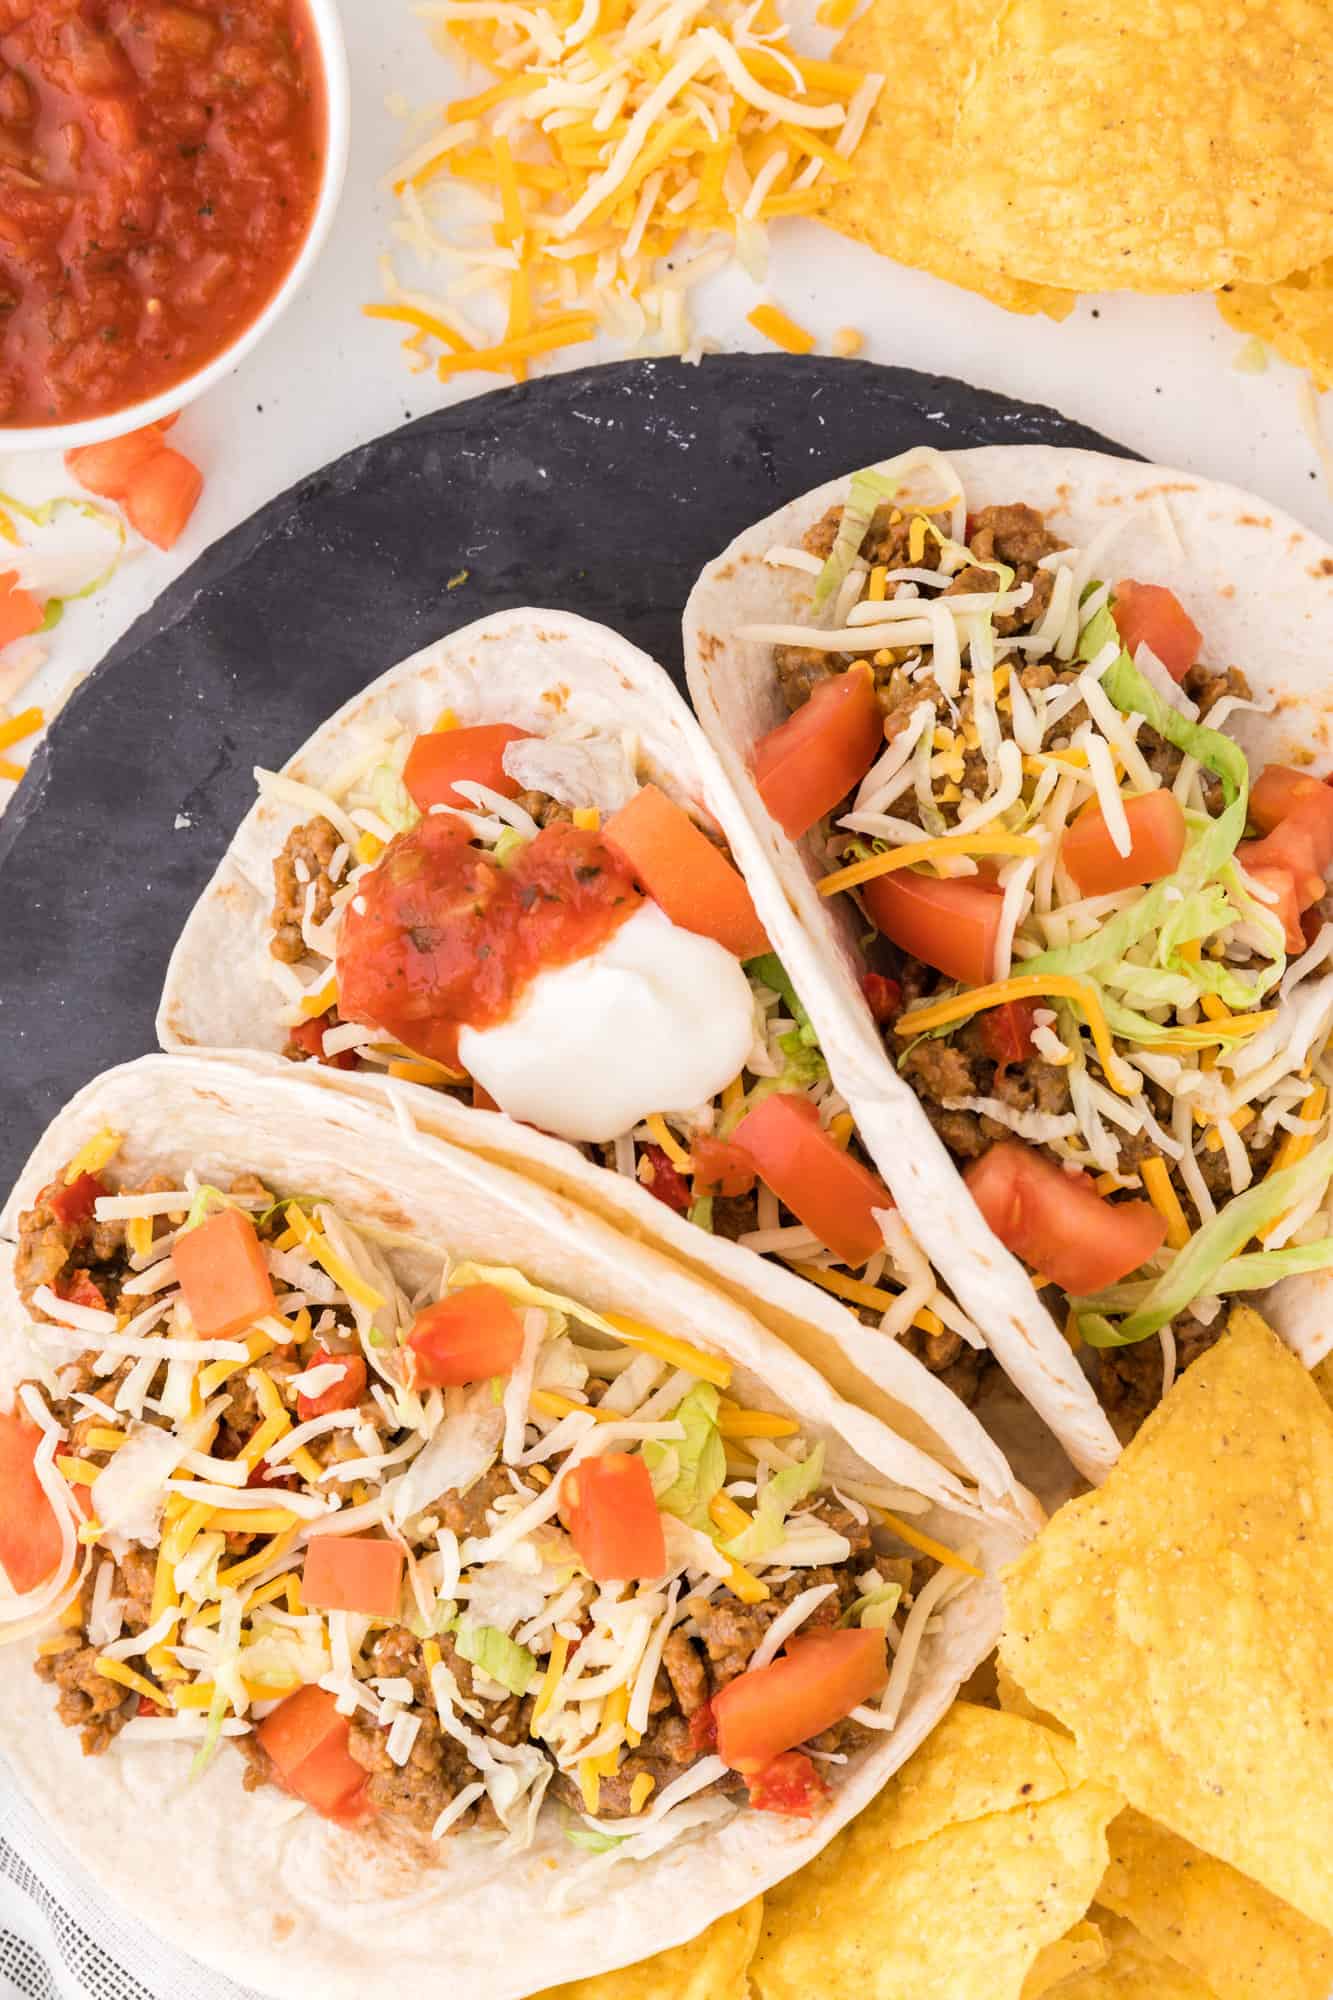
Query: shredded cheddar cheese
x,y
1025,986
1157,1180
947,848
858,1293
664,1137
99,1152
708,1367
926,1543
781,329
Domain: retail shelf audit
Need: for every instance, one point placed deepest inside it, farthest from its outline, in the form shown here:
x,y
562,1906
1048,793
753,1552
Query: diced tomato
x,y
469,1336
20,613
884,997
341,1395
162,495
362,1573
658,1174
309,1035
1297,814
789,1785
1281,888
223,1275
1148,614
703,1730
613,1518
1057,1222
29,1530
1156,843
73,1203
1006,1031
147,1707
438,760
821,1677
107,469
720,1167
805,765
675,863
1277,791
952,925
824,1187
80,1290
306,1739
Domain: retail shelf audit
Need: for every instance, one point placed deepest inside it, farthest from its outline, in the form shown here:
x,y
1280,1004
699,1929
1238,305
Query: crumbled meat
x,y
96,1707
309,851
465,1513
543,808
62,1254
1130,1378
1013,534
686,1673
800,670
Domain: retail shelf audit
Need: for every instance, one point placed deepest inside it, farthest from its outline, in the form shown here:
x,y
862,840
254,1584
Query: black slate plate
x,y
603,491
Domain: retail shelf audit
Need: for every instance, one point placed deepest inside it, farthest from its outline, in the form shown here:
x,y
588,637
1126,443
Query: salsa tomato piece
x,y
690,879
446,936
29,1530
73,1201
817,1681
952,925
159,169
884,997
1156,843
223,1275
720,1167
470,1336
437,761
1006,1031
1148,614
344,1394
613,1519
306,1741
1057,1223
663,1178
823,1186
812,760
790,1785
361,1573
308,1036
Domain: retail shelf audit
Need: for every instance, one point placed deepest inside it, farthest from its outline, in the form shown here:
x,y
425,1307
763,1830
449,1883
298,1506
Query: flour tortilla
x,y
1259,586
538,669
301,1906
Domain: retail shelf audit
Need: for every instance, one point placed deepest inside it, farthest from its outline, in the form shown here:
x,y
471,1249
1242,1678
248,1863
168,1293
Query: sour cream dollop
x,y
656,1019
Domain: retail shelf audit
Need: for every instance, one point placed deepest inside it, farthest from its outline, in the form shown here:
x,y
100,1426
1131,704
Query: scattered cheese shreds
x,y
575,194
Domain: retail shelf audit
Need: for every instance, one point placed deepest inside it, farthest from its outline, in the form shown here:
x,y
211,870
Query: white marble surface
x,y
1158,374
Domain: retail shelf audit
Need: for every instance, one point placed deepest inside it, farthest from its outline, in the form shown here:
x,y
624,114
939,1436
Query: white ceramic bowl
x,y
337,94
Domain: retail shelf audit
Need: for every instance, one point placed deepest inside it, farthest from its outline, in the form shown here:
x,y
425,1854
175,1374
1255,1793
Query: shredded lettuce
x,y
770,971
1197,1270
393,801
199,1206
498,1656
1264,1267
876,1609
700,1213
1099,632
508,845
594,1839
702,1459
803,1069
785,1490
865,490
203,1756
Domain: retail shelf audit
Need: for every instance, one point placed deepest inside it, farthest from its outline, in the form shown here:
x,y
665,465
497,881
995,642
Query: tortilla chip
x,y
1240,1940
1014,1702
1135,1969
1071,164
1294,317
1179,1621
1081,1949
915,1898
1323,1380
903,159
712,1966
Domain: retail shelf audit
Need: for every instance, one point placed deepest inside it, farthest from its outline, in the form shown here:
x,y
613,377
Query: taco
x,y
414,1567
503,882
1034,740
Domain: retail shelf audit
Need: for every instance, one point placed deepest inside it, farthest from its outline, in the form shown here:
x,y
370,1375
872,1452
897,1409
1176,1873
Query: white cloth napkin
x,y
61,1939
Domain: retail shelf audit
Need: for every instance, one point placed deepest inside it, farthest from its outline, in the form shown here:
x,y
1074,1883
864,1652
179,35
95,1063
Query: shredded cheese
x,y
948,847
1026,986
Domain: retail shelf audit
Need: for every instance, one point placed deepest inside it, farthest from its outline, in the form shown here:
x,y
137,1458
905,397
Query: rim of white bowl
x,y
332,54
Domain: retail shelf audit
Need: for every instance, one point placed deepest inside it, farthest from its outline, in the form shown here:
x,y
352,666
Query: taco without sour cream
x,y
500,882
542,1593
1037,736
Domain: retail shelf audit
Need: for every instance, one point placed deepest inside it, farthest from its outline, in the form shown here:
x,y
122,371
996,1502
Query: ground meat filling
x,y
304,863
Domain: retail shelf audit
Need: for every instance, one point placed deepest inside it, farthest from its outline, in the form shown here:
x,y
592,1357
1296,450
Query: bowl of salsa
x,y
168,176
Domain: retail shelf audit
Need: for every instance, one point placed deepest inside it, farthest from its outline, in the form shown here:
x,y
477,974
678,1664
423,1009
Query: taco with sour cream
x,y
1036,742
408,1561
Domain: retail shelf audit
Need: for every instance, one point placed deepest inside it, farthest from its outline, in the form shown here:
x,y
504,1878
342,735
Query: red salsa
x,y
441,935
159,168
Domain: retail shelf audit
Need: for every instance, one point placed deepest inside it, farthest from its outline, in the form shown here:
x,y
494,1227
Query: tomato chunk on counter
x,y
223,1275
613,1518
344,1394
811,761
29,1531
470,1336
952,925
819,1679
1057,1222
693,882
475,754
161,497
306,1740
1156,843
20,613
362,1573
1148,614
824,1187
108,469
790,1785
